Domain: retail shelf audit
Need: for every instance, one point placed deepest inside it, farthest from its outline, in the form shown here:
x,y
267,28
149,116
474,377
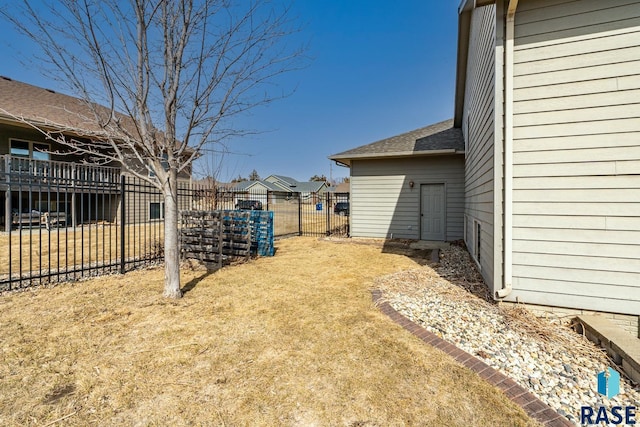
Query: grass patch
x,y
288,340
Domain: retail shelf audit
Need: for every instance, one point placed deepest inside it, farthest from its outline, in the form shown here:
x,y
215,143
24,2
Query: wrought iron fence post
x,y
122,223
299,213
8,212
7,200
349,217
328,211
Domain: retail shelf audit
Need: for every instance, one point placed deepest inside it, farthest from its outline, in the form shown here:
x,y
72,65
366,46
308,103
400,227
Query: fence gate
x,y
294,213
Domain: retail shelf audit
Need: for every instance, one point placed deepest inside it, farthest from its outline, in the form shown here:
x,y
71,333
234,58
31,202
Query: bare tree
x,y
160,79
253,176
319,178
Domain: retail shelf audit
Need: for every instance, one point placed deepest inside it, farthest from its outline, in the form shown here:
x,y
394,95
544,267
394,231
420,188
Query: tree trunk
x,y
171,253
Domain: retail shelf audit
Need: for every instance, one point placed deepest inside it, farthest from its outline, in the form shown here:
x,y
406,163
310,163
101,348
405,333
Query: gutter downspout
x,y
508,151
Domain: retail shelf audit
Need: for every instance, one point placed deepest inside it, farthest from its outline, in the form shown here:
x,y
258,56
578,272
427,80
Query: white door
x,y
432,212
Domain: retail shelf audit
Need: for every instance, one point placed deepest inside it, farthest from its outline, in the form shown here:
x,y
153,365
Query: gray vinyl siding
x,y
140,195
577,155
478,129
383,204
138,205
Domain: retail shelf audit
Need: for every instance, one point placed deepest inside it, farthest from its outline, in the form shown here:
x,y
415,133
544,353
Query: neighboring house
x,y
548,103
211,194
309,189
340,192
39,175
255,190
255,186
284,182
343,187
280,189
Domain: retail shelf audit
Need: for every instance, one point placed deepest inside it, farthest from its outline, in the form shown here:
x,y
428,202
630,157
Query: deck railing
x,y
19,170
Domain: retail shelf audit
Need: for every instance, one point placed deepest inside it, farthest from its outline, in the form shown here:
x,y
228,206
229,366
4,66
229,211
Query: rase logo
x,y
609,386
609,383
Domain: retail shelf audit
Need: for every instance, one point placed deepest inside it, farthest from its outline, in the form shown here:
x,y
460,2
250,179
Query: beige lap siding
x,y
577,155
384,204
478,129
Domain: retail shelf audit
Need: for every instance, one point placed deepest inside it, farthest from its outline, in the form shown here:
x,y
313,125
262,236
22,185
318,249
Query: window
x,y
465,232
156,210
465,134
30,150
40,151
20,149
478,239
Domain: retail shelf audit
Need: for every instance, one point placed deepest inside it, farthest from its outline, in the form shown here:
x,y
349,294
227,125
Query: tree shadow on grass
x,y
191,284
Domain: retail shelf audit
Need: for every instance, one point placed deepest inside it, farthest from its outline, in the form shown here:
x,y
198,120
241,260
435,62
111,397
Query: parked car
x,y
249,205
341,208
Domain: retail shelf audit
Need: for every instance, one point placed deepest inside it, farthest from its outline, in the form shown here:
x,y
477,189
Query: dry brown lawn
x,y
288,340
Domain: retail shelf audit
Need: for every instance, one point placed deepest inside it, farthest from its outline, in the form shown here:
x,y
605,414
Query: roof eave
x,y
466,5
346,160
43,127
31,123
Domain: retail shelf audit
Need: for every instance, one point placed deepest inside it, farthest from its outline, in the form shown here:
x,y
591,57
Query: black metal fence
x,y
295,213
93,221
84,228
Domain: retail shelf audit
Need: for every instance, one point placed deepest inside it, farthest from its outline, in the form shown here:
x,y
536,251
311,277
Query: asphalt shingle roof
x,y
286,179
343,187
303,187
308,187
49,109
244,185
45,107
436,137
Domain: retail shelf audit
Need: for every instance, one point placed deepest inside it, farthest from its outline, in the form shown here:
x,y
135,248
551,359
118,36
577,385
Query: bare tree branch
x,y
159,80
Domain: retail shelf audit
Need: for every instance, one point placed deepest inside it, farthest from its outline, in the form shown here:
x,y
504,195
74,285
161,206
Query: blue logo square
x,y
609,383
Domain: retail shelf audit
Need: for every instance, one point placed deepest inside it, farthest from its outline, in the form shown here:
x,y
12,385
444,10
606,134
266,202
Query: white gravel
x,y
545,356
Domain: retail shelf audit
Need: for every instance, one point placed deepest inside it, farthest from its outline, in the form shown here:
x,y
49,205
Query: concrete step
x,y
429,244
621,346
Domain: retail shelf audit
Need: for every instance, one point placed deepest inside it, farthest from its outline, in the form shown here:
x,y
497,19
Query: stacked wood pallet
x,y
215,238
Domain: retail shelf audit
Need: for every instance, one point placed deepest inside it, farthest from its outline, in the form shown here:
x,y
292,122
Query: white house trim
x,y
508,152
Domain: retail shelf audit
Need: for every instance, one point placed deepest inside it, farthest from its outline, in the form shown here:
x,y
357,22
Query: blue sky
x,y
378,68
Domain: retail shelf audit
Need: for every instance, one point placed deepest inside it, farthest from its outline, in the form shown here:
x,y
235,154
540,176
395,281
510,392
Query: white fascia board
x,y
396,154
404,153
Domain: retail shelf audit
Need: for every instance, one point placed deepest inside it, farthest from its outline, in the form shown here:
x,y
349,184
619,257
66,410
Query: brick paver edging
x,y
533,406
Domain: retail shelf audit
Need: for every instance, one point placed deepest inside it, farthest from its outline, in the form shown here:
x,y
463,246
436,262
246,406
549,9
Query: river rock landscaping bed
x,y
543,355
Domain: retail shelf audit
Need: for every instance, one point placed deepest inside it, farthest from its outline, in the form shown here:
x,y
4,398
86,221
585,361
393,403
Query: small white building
x,y
409,186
